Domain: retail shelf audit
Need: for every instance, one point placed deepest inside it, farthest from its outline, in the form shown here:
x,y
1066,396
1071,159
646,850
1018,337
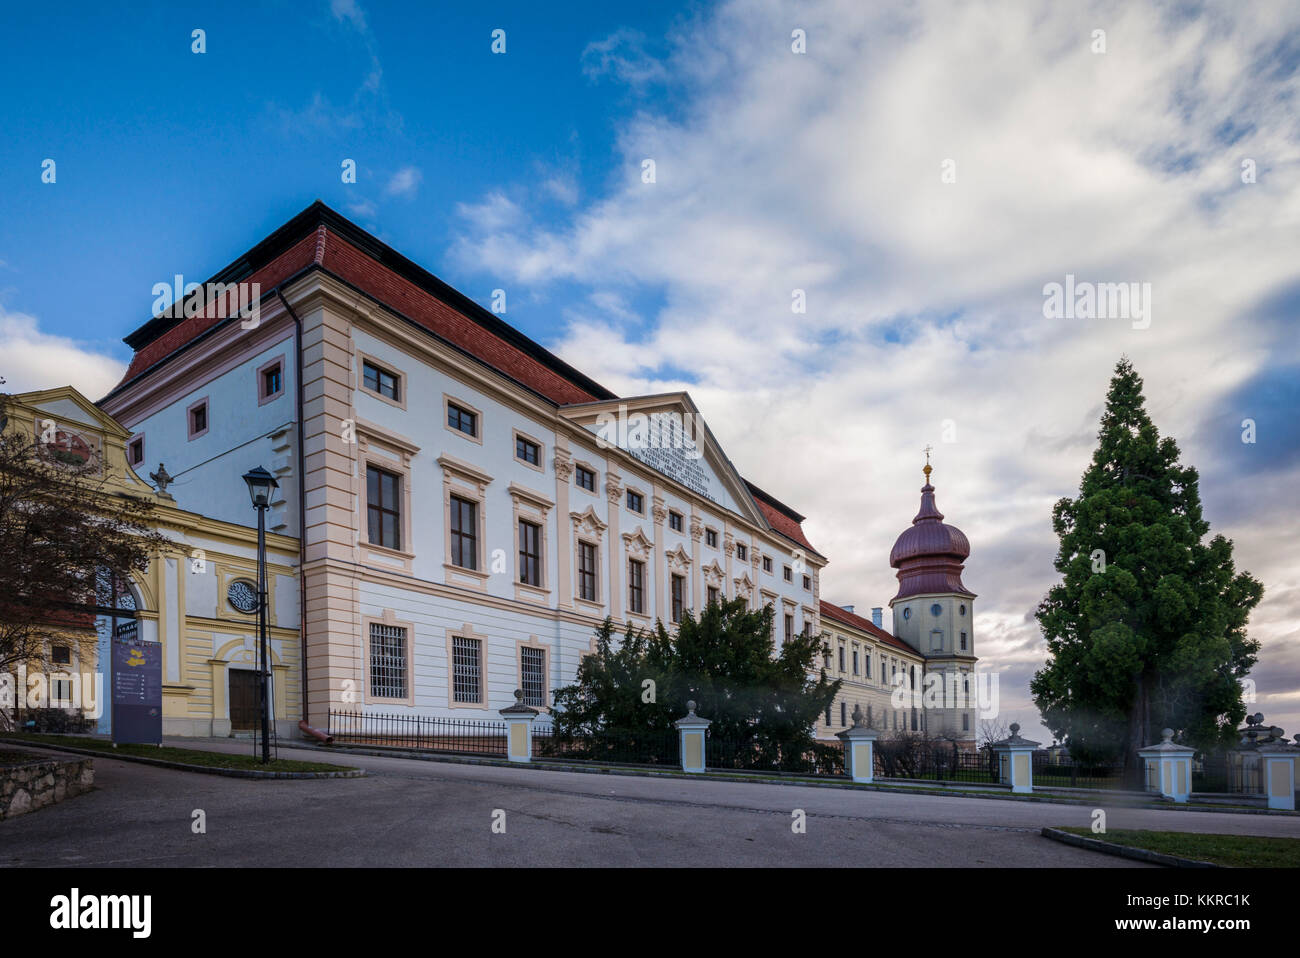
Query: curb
x,y
184,767
1125,851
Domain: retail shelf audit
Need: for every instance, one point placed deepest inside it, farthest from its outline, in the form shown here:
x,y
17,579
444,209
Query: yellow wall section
x,y
694,745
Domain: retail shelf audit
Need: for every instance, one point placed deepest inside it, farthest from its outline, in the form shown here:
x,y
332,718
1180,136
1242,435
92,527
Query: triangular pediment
x,y
666,433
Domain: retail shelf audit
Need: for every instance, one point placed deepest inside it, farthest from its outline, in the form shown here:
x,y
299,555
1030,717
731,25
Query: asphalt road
x,y
412,813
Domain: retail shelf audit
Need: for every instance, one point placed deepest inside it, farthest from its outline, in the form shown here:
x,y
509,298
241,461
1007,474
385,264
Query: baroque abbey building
x,y
469,508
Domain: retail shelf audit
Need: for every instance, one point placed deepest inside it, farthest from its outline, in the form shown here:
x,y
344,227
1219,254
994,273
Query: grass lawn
x,y
1234,851
189,756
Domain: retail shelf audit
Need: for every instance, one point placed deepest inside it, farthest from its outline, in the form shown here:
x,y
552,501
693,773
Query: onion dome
x,y
929,556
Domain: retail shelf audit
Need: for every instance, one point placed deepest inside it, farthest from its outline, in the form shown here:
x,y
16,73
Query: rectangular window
x,y
462,419
387,661
137,451
62,655
464,533
841,658
807,583
789,627
712,595
855,661
828,716
532,675
936,641
710,538
844,713
272,381
963,641
767,563
381,381
467,665
635,502
586,479
383,508
675,521
198,419
742,551
965,721
679,597
636,586
587,571
530,553
527,450
789,575
868,664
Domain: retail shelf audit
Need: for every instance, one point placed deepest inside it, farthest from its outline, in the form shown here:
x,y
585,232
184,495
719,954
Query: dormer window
x,y
135,451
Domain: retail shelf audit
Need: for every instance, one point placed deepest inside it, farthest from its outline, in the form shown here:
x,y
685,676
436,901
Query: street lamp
x,y
260,483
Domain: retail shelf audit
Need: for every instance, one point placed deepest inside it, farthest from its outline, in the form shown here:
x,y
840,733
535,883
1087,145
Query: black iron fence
x,y
1232,773
942,763
649,747
753,755
465,736
1073,773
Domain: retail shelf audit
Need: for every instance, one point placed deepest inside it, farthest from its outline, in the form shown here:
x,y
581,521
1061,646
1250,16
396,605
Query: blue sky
x,y
776,171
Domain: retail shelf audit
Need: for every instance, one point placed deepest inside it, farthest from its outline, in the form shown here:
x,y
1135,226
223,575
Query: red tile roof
x,y
840,614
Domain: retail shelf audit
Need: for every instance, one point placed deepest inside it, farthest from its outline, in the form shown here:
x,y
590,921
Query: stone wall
x,y
43,781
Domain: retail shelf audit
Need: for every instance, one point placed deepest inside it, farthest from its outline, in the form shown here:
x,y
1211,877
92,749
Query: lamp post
x,y
260,483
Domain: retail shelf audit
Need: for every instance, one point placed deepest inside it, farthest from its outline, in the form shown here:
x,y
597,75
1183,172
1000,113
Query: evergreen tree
x,y
1148,627
764,702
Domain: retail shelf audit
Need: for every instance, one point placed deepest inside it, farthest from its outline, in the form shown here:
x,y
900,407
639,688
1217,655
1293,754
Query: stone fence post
x,y
1168,767
859,748
1277,773
519,729
1016,760
691,729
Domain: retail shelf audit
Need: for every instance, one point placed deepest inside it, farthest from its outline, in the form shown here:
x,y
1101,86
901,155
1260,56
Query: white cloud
x,y
822,172
36,360
404,182
623,55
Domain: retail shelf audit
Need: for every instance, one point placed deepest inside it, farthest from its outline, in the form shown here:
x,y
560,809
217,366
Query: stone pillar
x,y
859,748
1016,760
519,729
1277,771
691,731
1168,767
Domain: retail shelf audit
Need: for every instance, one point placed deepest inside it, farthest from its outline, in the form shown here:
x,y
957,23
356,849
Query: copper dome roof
x,y
929,556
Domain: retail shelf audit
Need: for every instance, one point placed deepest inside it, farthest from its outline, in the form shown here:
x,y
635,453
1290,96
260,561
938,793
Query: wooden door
x,y
245,708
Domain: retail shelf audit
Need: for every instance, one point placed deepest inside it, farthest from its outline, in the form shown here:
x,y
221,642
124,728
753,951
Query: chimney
x,y
847,608
877,617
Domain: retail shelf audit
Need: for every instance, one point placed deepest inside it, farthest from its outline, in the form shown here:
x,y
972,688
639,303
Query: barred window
x,y
530,553
532,678
387,661
636,585
464,533
467,669
587,571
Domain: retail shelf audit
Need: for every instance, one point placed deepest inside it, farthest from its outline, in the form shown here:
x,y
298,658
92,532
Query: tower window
x,y
936,609
963,641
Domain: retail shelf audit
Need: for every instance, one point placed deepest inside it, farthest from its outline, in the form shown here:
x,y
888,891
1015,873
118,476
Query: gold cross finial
x,y
927,469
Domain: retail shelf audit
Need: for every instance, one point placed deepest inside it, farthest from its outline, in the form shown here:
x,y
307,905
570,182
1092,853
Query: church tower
x,y
934,612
